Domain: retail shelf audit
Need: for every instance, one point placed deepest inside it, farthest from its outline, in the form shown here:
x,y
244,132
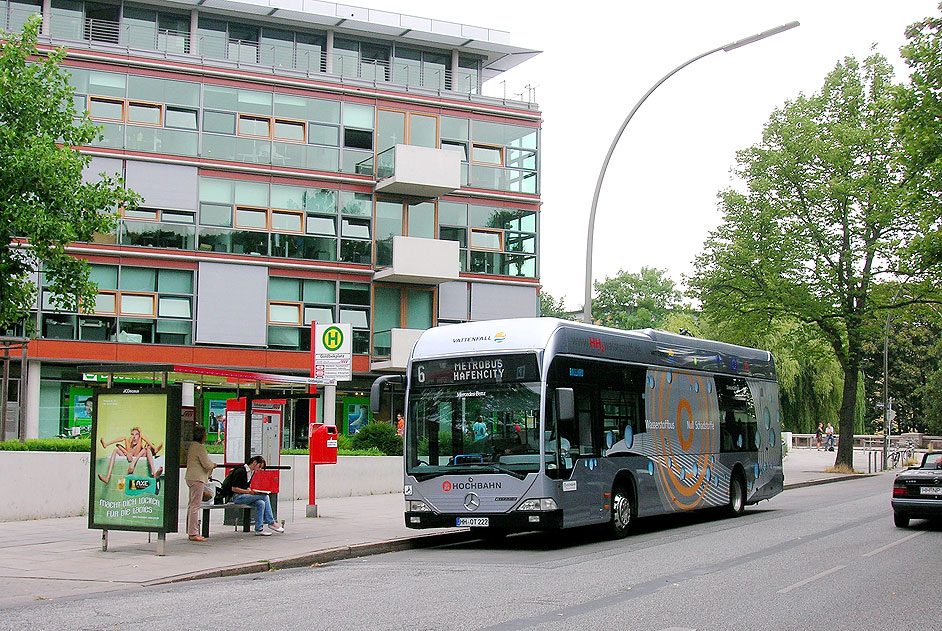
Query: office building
x,y
299,161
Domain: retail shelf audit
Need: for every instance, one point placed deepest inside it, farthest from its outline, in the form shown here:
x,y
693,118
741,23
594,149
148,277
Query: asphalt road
x,y
817,557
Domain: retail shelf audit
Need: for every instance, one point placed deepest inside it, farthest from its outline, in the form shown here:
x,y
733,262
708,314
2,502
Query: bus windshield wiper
x,y
501,469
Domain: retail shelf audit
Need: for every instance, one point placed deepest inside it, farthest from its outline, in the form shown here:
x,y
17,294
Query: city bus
x,y
540,424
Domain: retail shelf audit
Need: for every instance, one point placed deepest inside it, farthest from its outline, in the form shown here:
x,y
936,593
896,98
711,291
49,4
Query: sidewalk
x,y
61,558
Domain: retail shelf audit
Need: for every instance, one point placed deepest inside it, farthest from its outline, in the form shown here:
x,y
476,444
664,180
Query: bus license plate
x,y
930,490
473,521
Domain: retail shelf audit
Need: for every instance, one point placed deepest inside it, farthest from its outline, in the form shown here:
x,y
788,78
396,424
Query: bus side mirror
x,y
565,404
376,390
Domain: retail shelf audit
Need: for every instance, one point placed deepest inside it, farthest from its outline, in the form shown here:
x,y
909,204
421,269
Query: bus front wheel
x,y
622,512
737,497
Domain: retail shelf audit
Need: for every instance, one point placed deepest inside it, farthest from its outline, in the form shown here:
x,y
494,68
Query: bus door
x,y
575,442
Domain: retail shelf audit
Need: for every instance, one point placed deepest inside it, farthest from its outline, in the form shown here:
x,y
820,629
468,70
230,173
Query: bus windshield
x,y
478,428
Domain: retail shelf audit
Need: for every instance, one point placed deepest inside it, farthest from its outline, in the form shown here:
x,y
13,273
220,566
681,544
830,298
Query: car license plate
x,y
930,490
473,521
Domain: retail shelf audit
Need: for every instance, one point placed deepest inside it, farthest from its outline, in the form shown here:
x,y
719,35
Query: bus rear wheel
x,y
622,512
737,497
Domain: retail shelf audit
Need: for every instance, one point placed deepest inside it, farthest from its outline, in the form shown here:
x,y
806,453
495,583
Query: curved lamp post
x,y
587,313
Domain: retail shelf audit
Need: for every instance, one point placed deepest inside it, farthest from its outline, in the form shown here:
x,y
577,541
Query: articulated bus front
x,y
473,444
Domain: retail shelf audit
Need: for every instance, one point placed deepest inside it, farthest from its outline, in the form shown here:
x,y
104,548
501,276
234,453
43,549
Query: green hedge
x,y
48,444
344,446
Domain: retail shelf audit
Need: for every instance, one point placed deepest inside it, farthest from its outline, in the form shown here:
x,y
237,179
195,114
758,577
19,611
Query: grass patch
x,y
843,468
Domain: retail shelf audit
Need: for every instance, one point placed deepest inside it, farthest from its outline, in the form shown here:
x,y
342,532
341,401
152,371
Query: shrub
x,y
48,444
381,436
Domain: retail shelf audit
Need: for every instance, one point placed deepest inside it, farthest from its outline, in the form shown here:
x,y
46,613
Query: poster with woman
x,y
134,470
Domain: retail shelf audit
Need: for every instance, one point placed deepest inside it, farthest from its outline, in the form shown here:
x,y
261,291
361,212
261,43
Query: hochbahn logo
x,y
596,343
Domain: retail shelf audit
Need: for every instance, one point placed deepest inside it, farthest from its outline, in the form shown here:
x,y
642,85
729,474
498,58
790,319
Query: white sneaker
x,y
263,533
276,527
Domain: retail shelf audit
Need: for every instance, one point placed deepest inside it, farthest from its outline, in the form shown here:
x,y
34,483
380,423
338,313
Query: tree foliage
x,y
551,307
819,225
636,301
44,204
912,356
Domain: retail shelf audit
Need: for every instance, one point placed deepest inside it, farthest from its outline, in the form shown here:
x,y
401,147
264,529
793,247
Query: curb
x,y
381,547
321,557
836,478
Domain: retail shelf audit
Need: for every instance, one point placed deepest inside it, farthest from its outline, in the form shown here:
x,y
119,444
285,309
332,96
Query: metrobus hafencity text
x,y
538,423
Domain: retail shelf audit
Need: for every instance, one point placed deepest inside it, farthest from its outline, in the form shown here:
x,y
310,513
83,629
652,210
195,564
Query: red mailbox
x,y
323,445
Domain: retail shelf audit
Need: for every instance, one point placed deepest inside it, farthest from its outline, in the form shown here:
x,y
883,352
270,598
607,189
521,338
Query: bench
x,y
246,515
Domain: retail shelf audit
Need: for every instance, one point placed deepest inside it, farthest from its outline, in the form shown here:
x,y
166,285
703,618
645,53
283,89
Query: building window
x,y
296,302
133,304
145,113
485,154
180,118
105,109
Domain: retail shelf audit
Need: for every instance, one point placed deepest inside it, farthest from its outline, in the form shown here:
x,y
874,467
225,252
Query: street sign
x,y
333,352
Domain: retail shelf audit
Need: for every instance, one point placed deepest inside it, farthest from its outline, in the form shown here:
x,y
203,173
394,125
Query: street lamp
x,y
587,313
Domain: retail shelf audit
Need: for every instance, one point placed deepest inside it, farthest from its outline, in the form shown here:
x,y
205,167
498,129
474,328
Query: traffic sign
x,y
333,352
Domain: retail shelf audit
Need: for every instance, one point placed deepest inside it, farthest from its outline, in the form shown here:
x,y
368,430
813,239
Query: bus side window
x,y
737,415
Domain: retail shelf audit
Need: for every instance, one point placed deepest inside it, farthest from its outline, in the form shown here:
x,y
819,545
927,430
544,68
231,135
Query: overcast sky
x,y
658,200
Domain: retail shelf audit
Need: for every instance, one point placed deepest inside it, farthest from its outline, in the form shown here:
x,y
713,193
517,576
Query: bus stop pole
x,y
311,508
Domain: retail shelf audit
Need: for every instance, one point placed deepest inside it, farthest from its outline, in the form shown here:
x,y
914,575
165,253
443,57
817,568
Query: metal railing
x,y
259,53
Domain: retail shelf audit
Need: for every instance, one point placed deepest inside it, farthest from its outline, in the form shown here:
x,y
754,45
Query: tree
x,y
44,205
912,359
820,224
551,307
809,377
636,301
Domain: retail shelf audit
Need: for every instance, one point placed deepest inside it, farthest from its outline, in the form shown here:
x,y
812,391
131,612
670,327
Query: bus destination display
x,y
476,370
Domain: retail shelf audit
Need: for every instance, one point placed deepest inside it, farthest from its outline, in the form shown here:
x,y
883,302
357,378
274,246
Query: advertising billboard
x,y
135,461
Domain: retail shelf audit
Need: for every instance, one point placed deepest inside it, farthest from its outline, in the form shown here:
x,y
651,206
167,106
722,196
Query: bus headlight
x,y
543,503
418,507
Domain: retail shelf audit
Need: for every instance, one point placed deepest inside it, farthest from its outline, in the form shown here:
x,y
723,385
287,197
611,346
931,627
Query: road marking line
x,y
894,544
809,580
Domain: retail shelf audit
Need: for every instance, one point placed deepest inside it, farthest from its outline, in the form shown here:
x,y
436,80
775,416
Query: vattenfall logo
x,y
497,337
470,485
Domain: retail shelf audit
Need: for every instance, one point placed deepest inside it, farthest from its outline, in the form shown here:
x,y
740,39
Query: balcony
x,y
417,261
392,349
418,171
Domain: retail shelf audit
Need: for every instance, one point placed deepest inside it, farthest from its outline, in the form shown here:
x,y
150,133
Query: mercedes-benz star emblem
x,y
471,501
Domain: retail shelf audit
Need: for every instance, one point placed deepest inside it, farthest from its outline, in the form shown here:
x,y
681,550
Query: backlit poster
x,y
134,470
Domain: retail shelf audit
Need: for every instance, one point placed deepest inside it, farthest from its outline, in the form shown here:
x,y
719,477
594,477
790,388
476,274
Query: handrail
x,y
376,71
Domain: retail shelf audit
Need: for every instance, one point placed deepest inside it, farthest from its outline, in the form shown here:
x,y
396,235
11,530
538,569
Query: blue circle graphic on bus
x,y
768,418
709,474
758,439
629,437
771,437
710,386
609,439
651,381
757,470
650,467
739,441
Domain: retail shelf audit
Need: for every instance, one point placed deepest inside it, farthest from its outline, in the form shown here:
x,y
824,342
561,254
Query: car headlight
x,y
418,507
543,503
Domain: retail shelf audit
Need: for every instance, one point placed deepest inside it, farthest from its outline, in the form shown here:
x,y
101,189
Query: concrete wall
x,y
39,485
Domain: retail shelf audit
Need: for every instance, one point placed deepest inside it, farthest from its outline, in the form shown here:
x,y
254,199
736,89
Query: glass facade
x,y
322,147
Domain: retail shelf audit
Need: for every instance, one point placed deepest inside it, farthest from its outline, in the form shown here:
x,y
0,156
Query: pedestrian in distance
x,y
818,435
829,438
198,468
237,484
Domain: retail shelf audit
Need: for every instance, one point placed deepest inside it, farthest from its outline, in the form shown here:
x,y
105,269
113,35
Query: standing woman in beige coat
x,y
198,468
